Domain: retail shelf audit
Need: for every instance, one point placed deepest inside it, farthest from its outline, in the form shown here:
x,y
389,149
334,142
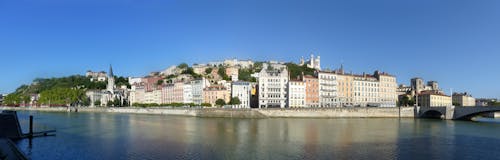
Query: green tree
x,y
235,101
246,75
86,101
116,102
190,71
97,103
257,66
15,99
297,70
183,66
208,70
110,103
220,102
206,104
160,82
62,96
222,73
120,81
404,101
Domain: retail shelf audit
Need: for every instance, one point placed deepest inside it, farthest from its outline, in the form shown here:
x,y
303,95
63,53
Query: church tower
x,y
111,80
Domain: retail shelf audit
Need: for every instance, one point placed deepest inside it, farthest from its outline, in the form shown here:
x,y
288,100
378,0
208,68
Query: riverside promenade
x,y
357,112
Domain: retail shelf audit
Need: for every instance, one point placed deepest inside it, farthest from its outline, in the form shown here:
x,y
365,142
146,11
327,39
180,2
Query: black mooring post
x,y
31,126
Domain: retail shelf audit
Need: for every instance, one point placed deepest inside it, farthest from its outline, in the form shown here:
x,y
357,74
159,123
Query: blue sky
x,y
455,42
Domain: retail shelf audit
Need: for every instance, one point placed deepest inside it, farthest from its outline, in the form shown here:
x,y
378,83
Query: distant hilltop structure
x,y
96,76
312,62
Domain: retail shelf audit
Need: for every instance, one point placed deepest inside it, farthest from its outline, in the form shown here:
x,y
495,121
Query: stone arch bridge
x,y
454,113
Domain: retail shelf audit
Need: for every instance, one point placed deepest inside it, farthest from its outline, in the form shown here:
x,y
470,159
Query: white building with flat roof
x,y
463,99
296,94
188,93
366,91
273,86
242,90
328,89
197,87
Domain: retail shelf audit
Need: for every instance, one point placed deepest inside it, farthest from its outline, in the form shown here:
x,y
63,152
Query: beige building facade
x,y
463,99
213,93
433,99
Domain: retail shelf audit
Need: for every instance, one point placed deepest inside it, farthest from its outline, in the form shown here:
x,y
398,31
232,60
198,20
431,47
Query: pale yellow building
x,y
345,89
433,99
463,99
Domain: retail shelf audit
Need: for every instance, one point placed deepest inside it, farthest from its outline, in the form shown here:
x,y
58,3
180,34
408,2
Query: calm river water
x,y
134,136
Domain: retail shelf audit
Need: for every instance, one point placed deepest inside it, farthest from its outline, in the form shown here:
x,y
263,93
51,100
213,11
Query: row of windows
x,y
365,89
271,89
274,96
276,80
365,94
366,84
272,101
328,77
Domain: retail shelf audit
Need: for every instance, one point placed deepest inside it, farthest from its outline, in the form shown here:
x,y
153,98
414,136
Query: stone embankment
x,y
405,112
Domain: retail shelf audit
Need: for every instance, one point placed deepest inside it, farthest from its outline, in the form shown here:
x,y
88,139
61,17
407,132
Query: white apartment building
x,y
242,90
296,94
328,89
366,91
273,82
188,93
197,87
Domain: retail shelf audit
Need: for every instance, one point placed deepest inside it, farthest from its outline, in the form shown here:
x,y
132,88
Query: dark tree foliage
x,y
296,70
235,101
208,70
220,102
246,75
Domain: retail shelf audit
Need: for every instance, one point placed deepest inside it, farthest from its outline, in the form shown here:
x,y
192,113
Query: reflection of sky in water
x,y
124,136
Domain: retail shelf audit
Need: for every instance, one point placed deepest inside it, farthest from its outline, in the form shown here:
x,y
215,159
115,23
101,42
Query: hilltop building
x,y
313,62
96,76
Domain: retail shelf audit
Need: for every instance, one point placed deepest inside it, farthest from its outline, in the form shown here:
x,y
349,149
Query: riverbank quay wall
x,y
358,112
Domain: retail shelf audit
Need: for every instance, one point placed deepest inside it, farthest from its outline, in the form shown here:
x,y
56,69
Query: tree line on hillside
x,y
59,91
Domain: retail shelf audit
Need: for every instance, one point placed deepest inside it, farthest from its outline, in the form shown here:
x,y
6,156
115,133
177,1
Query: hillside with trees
x,y
61,91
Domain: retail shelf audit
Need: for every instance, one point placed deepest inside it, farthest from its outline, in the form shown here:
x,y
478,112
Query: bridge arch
x,y
469,115
432,114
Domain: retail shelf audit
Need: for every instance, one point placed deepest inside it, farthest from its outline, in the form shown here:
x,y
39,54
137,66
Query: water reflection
x,y
124,136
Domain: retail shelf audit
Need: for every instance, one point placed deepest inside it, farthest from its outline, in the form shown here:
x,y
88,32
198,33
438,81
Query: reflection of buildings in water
x,y
430,134
311,141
